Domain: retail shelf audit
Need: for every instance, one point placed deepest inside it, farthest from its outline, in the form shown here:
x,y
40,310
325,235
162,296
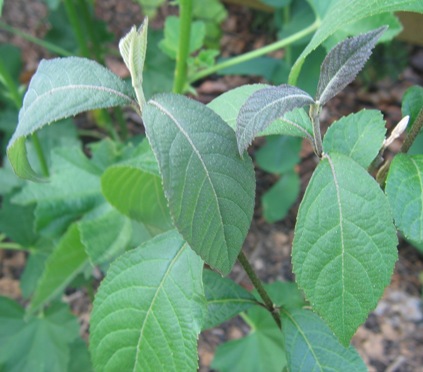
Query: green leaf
x,y
262,350
225,299
412,103
227,106
34,267
404,188
63,265
38,344
263,107
210,189
359,136
149,7
279,155
276,3
80,360
105,235
148,311
137,194
133,48
344,248
344,12
344,62
60,88
170,43
311,346
280,198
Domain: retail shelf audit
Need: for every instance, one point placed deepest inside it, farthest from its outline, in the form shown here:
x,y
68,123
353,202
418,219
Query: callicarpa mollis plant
x,y
190,185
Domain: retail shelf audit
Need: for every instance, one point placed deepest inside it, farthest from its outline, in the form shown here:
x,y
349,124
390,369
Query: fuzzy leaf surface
x,y
404,188
148,311
225,299
344,62
311,346
210,189
344,248
359,136
263,107
345,12
227,106
60,88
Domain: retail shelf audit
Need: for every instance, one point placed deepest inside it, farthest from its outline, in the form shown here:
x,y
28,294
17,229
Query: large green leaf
x,y
344,12
228,104
311,346
148,311
225,299
359,136
210,189
265,106
404,188
61,88
37,344
344,248
63,265
137,194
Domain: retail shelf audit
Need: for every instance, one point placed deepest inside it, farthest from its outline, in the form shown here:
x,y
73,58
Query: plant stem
x,y
315,119
413,133
185,9
92,32
288,49
35,40
260,289
256,53
76,26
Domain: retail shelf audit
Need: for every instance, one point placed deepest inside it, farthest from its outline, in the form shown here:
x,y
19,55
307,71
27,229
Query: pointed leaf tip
x,y
263,107
344,62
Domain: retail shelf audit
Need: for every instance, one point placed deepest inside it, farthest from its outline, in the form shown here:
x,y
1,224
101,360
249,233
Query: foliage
x,y
150,212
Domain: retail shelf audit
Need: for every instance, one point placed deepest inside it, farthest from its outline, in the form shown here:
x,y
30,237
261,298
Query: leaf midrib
x,y
150,309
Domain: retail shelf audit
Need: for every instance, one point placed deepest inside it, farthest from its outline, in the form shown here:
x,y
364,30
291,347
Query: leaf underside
x,y
344,62
149,309
344,248
210,189
263,107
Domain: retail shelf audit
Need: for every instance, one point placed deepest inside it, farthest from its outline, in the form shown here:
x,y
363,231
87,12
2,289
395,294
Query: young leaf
x,y
63,87
132,49
39,343
149,309
404,188
227,106
344,62
225,299
263,107
210,189
344,248
344,12
359,136
68,260
137,194
412,102
311,346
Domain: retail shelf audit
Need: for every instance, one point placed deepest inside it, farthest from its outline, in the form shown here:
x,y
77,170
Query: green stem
x,y
10,85
260,289
256,53
92,32
42,43
122,123
315,119
288,49
185,9
13,246
76,26
413,133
